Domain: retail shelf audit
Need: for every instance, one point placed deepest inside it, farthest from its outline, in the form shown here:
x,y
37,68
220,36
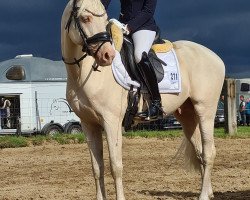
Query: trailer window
x,y
16,73
245,87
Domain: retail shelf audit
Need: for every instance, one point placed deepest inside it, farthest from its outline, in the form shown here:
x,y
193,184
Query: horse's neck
x,y
69,52
84,77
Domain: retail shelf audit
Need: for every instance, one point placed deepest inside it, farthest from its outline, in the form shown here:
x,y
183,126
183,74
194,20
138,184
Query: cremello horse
x,y
100,102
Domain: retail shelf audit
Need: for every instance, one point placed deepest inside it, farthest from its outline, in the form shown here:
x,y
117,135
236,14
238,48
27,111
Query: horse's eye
x,y
85,19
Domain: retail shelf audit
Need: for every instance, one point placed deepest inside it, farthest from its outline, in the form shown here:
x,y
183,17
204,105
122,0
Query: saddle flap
x,y
157,65
127,55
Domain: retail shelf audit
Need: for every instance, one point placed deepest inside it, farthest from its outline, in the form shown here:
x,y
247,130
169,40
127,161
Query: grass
x,y
242,132
68,138
15,141
20,141
37,140
154,134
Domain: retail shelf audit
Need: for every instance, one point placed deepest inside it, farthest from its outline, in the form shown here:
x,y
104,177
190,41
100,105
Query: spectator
x,y
221,102
222,98
242,110
4,113
247,111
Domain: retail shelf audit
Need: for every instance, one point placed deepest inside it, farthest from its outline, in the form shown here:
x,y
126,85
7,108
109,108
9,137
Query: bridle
x,y
102,37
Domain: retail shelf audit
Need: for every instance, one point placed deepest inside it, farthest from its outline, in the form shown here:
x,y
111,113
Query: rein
x,y
102,37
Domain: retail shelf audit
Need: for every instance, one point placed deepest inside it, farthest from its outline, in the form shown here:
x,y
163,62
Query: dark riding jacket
x,y
138,14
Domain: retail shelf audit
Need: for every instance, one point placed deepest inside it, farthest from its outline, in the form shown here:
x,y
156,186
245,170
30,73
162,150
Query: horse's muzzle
x,y
105,55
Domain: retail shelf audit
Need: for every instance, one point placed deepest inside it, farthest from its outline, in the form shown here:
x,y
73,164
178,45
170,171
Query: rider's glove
x,y
123,27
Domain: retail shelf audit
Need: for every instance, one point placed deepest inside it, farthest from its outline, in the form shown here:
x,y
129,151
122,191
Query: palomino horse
x,y
100,102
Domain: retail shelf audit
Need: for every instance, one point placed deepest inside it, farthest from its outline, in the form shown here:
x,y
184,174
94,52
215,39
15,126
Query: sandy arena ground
x,y
64,172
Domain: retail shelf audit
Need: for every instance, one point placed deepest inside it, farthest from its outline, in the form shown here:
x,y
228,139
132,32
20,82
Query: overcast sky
x,y
33,26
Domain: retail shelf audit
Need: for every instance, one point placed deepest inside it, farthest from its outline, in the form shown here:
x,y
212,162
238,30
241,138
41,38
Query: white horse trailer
x,y
35,89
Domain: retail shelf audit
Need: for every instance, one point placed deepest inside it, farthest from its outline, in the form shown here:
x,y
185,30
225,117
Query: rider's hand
x,y
122,26
127,30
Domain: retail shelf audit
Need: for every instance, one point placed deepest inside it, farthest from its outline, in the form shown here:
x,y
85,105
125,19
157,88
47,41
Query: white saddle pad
x,y
171,83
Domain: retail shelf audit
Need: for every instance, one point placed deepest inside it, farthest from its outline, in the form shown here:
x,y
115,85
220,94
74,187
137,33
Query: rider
x,y
140,24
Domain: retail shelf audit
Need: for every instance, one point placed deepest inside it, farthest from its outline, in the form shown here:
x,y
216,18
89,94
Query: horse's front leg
x,y
114,138
95,144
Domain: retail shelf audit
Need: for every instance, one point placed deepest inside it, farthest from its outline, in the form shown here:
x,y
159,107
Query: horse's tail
x,y
191,153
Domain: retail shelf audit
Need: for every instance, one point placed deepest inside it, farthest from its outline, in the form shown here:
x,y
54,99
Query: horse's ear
x,y
117,35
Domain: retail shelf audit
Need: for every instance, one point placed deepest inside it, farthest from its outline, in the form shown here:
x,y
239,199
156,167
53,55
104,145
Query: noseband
x,y
102,37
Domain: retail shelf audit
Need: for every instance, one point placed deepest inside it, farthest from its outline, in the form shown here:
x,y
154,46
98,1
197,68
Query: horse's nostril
x,y
106,56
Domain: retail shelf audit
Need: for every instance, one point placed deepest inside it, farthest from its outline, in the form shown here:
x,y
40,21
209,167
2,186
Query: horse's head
x,y
85,22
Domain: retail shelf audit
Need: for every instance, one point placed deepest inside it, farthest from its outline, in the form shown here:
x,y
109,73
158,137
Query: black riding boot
x,y
149,79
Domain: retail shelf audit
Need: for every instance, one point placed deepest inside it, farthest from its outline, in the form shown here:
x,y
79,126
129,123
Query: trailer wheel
x,y
74,129
53,130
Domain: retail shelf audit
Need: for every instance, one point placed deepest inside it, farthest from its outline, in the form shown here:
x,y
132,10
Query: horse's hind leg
x,y
95,144
206,121
202,142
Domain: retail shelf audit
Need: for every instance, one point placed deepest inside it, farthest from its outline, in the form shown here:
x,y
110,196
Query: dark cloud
x,y
28,26
222,26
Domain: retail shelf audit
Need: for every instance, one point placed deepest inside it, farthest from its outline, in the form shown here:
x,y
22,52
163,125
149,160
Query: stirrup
x,y
155,109
146,117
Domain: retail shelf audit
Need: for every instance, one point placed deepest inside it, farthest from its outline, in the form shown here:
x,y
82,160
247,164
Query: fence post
x,y
230,111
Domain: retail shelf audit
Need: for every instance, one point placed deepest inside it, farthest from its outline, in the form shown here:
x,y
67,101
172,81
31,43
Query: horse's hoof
x,y
204,198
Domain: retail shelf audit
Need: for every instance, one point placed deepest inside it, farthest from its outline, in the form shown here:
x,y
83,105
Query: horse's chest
x,y
87,114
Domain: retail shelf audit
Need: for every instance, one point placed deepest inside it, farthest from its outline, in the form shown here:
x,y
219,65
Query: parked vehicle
x,y
219,117
170,122
36,90
219,120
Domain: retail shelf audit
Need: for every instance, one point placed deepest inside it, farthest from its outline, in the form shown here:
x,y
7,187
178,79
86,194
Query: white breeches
x,y
143,41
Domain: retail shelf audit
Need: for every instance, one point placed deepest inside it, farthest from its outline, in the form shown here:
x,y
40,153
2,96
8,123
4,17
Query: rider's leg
x,y
149,78
143,41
